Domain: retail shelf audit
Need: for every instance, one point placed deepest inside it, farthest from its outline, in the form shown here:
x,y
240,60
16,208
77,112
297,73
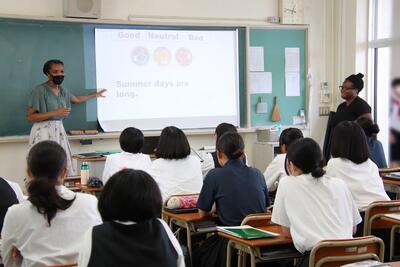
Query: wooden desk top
x,y
187,217
390,181
89,189
391,220
282,239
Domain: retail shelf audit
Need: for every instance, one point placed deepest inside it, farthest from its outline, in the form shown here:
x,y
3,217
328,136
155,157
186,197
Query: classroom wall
x,y
321,15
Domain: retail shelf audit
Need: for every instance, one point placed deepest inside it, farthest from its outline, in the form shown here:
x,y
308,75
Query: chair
x,y
333,253
388,170
257,219
376,210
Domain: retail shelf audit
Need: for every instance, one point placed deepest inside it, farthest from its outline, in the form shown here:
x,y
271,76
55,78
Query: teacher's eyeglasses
x,y
344,88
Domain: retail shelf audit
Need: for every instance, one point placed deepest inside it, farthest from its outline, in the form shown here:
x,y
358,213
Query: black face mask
x,y
58,79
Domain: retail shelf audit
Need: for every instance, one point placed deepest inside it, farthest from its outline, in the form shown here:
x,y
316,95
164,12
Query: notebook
x,y
246,232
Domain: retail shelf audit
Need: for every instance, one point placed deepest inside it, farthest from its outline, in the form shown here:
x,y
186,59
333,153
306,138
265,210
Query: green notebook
x,y
246,232
108,152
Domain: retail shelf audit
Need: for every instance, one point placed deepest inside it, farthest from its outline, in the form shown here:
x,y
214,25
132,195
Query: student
x,y
310,204
131,141
351,163
7,199
276,169
376,152
210,160
48,227
17,189
236,189
132,233
175,170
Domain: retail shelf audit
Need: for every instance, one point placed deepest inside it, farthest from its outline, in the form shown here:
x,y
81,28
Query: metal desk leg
x,y
252,258
229,254
189,242
392,239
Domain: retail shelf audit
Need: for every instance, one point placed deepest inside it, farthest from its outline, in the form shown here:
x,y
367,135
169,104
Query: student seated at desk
x,y
276,169
236,189
17,189
131,141
376,152
210,160
132,233
7,199
48,227
175,170
310,204
351,163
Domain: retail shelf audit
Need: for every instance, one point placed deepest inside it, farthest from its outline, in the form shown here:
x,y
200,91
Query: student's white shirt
x,y
177,176
40,244
208,162
18,191
116,162
315,209
86,247
275,171
363,180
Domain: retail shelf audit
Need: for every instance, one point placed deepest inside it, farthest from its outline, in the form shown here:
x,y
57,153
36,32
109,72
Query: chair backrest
x,y
388,170
375,211
333,253
257,219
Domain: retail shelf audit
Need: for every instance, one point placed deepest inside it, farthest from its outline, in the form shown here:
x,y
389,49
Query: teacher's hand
x,y
100,93
62,112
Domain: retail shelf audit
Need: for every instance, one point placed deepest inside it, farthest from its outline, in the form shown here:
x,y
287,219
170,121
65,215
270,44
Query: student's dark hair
x,y
47,65
231,144
130,195
131,140
306,155
223,128
290,135
395,82
349,142
46,162
370,128
357,81
173,144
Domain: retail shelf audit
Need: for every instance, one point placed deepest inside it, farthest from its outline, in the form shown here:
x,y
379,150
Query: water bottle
x,y
84,173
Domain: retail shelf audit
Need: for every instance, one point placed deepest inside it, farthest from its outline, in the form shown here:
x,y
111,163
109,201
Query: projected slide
x,y
157,78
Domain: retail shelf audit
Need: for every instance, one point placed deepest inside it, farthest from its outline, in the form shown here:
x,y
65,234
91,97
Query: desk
x,y
391,184
190,222
395,226
252,247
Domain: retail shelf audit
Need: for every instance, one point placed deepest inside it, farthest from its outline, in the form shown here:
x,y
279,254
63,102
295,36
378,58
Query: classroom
x,y
296,103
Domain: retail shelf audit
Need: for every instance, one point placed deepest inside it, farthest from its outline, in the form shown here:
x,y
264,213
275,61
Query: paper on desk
x,y
292,59
256,58
292,83
260,82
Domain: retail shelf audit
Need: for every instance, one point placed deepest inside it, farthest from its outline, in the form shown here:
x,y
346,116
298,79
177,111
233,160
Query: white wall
x,y
321,43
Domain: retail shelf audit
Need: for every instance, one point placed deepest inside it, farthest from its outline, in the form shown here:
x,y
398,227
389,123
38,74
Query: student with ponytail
x,y
236,189
311,205
47,229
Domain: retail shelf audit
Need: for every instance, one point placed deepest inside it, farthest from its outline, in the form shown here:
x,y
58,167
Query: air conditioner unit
x,y
82,9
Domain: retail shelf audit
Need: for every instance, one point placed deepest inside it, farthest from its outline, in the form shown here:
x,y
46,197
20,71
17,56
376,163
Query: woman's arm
x,y
84,98
34,116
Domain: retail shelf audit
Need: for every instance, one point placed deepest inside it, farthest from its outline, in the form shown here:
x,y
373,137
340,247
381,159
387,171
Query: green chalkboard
x,y
274,42
26,44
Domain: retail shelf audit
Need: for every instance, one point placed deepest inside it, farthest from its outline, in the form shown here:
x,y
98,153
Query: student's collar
x,y
234,162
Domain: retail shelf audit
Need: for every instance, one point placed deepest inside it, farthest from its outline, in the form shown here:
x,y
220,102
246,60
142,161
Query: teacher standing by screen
x,y
49,104
353,108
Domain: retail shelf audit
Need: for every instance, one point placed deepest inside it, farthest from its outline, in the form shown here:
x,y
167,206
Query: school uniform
x,y
7,199
315,209
377,155
363,180
124,160
40,244
275,171
150,243
237,190
18,191
177,176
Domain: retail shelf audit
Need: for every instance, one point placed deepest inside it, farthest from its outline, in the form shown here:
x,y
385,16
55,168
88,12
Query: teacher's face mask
x,y
58,79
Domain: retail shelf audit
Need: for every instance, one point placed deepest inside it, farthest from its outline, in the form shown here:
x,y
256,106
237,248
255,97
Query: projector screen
x,y
157,78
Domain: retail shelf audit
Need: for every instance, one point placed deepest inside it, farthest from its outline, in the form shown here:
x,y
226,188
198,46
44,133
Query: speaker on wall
x,y
82,8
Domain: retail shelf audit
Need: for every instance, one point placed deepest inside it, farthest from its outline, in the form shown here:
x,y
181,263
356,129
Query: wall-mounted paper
x,y
292,83
292,59
260,82
256,58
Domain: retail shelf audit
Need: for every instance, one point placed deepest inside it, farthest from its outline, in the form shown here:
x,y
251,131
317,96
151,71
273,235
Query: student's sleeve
x,y
356,213
273,173
331,169
207,194
279,213
175,243
85,249
8,241
381,154
265,189
107,170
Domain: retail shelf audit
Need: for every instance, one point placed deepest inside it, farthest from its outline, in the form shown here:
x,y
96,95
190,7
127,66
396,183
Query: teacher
x,y
49,104
353,108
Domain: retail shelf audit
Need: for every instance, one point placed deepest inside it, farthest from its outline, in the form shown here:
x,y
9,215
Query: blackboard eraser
x,y
76,132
